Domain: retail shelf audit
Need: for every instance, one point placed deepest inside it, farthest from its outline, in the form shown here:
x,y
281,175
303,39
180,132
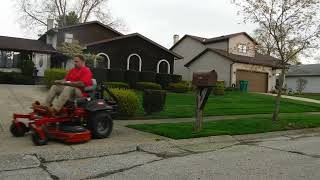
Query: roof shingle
x,y
20,44
214,39
304,70
137,35
259,59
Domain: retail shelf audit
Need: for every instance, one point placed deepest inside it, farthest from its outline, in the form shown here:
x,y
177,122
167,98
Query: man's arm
x,y
59,82
78,84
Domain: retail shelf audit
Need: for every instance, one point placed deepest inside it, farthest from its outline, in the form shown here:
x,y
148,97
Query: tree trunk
x,y
275,116
198,122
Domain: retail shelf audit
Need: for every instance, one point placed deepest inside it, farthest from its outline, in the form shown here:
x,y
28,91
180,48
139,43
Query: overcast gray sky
x,y
158,20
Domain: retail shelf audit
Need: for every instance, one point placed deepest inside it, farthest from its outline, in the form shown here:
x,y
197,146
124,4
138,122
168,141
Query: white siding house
x,y
308,72
232,56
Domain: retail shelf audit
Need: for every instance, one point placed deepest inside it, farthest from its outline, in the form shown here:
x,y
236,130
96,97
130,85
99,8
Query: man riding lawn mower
x,y
79,112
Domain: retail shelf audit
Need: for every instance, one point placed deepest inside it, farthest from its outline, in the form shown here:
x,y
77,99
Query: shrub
x,y
219,88
119,85
231,89
50,75
100,74
18,78
147,85
147,76
153,100
163,79
15,78
116,75
5,78
175,78
180,87
128,102
27,67
132,77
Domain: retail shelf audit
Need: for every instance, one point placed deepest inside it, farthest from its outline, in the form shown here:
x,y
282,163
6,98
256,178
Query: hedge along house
x,y
233,56
14,50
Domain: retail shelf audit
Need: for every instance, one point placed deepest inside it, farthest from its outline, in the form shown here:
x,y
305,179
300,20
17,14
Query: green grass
x,y
310,96
232,103
231,127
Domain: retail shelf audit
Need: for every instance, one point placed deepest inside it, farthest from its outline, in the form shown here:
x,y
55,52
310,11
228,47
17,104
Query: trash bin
x,y
244,85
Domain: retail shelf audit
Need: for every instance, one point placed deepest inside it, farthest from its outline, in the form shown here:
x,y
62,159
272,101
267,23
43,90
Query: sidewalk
x,y
295,98
86,161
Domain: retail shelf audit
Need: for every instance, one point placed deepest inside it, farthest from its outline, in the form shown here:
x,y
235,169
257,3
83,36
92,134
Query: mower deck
x,y
69,137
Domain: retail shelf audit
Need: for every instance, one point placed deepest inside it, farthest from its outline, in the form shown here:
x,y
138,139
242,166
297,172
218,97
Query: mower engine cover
x,y
98,105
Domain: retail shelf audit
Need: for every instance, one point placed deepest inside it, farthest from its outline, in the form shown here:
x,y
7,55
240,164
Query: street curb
x,y
267,135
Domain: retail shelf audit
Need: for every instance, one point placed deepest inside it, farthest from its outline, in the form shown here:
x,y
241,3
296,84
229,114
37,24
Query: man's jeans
x,y
63,94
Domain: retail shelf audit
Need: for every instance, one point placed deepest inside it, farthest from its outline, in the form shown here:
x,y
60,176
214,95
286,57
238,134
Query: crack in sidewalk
x,y
158,155
45,168
120,170
88,157
289,151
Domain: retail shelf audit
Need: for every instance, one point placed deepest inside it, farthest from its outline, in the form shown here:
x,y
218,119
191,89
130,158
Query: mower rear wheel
x,y
100,124
18,131
36,139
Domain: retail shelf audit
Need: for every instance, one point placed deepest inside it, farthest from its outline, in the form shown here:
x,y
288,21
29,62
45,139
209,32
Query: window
x,y
8,59
242,48
102,61
68,38
163,66
136,65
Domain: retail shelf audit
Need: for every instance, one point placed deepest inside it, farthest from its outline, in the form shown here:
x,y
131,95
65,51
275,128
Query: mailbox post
x,y
204,82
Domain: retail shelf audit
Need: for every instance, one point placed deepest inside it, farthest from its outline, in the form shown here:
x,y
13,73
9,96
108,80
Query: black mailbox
x,y
204,79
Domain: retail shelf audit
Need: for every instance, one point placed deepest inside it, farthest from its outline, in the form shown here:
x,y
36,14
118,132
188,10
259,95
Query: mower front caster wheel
x,y
37,140
18,129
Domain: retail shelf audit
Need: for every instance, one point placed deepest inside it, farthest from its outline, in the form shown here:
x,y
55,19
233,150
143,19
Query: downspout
x,y
231,73
189,74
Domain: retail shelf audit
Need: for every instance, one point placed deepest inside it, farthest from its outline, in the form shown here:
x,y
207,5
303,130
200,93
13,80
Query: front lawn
x,y
232,103
315,96
231,127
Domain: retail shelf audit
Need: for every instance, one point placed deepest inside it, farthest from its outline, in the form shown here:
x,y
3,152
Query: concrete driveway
x,y
18,98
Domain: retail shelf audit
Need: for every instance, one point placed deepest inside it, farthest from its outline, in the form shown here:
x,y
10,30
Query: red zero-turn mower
x,y
78,121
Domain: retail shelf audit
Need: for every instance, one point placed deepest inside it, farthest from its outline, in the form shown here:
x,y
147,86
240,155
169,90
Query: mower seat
x,y
91,89
81,101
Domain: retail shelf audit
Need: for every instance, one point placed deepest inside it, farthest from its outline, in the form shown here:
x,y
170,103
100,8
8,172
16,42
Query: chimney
x,y
175,39
50,23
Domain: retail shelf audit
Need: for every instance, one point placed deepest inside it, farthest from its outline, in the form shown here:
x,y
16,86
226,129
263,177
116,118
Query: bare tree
x,y
34,13
266,44
301,85
292,24
317,59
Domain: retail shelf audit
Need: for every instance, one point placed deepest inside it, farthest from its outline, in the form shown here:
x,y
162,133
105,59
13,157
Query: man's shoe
x,y
51,111
37,105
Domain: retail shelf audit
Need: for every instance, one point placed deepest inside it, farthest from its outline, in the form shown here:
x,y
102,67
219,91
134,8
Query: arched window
x,y
161,66
104,62
134,58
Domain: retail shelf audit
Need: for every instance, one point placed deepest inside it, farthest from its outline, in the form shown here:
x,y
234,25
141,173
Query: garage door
x,y
258,82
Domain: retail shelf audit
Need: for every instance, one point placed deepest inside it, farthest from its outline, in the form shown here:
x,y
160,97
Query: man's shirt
x,y
82,74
